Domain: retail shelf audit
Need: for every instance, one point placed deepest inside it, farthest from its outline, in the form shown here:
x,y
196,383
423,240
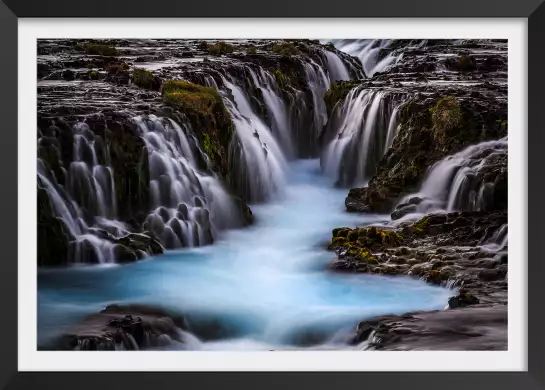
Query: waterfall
x,y
188,207
257,158
86,204
276,109
461,181
288,129
89,182
369,53
360,131
337,68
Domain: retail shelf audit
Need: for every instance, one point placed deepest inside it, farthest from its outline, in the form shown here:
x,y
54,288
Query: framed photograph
x,y
316,195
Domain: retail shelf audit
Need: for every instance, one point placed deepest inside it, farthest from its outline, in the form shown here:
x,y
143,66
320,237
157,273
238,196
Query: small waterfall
x,y
337,68
85,246
369,53
276,109
318,83
188,207
498,241
358,134
461,181
257,156
91,182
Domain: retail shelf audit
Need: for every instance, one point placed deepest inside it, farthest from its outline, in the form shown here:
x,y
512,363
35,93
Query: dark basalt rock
x,y
441,249
462,300
403,210
423,139
479,328
129,327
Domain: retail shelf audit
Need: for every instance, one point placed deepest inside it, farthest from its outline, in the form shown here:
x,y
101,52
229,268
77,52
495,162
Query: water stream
x,y
264,287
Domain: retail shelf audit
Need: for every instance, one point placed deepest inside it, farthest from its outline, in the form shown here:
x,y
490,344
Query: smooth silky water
x,y
264,287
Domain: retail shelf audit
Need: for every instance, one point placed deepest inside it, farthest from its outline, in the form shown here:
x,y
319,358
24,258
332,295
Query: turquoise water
x,y
264,287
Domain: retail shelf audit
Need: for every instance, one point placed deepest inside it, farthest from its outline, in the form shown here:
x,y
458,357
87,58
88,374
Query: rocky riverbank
x,y
440,121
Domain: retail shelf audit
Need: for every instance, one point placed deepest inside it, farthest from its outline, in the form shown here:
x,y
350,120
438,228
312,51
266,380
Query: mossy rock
x,y
98,49
93,75
337,93
448,121
191,97
251,49
341,232
143,78
210,120
220,48
286,49
362,255
117,68
374,237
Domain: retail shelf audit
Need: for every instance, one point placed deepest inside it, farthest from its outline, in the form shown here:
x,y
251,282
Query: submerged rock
x,y
128,327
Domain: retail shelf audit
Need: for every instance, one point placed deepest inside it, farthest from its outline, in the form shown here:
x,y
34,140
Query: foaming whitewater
x,y
459,182
260,288
361,130
189,207
369,53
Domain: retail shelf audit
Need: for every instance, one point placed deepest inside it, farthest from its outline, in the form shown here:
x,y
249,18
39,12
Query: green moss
x,y
286,49
93,75
143,78
420,226
502,124
207,145
446,116
380,238
190,97
204,108
203,45
280,77
98,49
116,67
251,49
339,242
330,46
336,93
341,232
362,255
220,48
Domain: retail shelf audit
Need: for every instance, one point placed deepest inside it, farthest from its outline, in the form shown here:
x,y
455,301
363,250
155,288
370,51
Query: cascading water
x,y
337,68
318,83
360,131
188,206
368,51
258,159
88,201
460,182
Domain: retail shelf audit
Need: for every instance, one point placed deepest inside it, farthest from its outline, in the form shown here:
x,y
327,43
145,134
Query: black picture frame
x,y
10,10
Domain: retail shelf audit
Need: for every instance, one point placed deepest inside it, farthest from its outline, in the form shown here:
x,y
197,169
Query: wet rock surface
x,y
482,328
125,327
450,94
445,249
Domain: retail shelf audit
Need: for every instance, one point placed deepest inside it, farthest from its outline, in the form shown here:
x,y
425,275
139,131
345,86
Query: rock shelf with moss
x,y
441,249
